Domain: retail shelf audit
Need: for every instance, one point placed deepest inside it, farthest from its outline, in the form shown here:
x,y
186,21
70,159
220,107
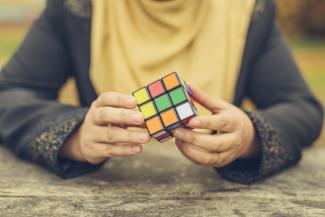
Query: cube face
x,y
166,104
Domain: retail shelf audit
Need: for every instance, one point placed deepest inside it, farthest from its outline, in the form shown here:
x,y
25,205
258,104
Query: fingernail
x,y
194,122
143,137
137,117
136,149
131,101
179,133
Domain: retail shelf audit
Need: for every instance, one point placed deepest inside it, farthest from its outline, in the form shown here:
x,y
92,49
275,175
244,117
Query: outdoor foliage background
x,y
303,22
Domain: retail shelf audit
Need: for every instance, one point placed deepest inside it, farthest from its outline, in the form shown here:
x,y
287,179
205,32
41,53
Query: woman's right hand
x,y
104,133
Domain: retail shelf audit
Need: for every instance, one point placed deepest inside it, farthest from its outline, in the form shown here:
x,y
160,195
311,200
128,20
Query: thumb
x,y
211,103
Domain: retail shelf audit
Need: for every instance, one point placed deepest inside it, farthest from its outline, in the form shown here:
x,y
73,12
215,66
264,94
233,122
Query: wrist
x,y
252,147
71,148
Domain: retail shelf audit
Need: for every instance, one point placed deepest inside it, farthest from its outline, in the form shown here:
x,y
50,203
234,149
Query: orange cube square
x,y
171,81
169,117
154,125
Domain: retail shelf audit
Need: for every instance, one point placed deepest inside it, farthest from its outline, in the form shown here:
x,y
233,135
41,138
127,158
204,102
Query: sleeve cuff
x,y
275,155
50,136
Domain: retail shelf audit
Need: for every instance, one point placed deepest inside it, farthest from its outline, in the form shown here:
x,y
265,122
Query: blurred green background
x,y
303,21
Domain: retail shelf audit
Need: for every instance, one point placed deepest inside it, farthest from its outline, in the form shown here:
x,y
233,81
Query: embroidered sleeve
x,y
79,8
43,145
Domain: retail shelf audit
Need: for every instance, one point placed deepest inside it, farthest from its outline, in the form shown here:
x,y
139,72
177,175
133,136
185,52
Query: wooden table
x,y
160,182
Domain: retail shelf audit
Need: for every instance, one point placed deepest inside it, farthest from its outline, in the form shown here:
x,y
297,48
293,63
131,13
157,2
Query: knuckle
x,y
87,145
105,98
108,95
93,160
208,161
208,124
212,162
108,151
118,151
191,137
101,114
94,104
120,99
223,122
123,116
242,123
134,137
110,135
237,142
218,144
101,97
130,137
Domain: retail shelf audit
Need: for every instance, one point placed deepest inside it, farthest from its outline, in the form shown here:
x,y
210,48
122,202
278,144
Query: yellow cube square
x,y
148,110
141,95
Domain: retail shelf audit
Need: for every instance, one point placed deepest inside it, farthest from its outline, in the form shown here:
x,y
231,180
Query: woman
x,y
229,49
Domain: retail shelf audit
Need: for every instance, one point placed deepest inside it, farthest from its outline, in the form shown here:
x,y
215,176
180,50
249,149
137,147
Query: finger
x,y
120,135
116,150
221,122
225,158
141,126
207,101
105,115
116,100
210,143
195,155
200,157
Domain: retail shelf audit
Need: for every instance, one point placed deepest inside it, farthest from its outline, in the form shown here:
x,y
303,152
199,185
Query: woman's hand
x,y
236,140
103,133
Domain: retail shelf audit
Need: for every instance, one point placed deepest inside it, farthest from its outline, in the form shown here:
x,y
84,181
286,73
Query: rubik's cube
x,y
165,104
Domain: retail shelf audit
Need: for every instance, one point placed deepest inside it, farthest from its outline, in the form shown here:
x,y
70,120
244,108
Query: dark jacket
x,y
35,126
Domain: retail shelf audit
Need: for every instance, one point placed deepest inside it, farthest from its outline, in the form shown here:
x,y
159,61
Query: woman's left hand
x,y
236,140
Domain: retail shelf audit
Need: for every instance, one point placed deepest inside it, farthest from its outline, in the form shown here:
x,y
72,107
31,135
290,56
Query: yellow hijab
x,y
135,42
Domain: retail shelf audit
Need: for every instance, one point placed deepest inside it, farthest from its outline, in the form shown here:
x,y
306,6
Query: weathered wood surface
x,y
160,182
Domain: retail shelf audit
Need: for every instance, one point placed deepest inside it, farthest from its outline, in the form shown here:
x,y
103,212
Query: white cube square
x,y
184,110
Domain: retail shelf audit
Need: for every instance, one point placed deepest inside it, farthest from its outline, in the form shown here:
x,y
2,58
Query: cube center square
x,y
162,102
166,104
177,95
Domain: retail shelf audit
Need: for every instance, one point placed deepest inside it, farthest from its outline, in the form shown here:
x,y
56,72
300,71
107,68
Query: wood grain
x,y
160,182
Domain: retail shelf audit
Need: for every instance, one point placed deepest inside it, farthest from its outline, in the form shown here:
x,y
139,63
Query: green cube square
x,y
163,102
177,96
